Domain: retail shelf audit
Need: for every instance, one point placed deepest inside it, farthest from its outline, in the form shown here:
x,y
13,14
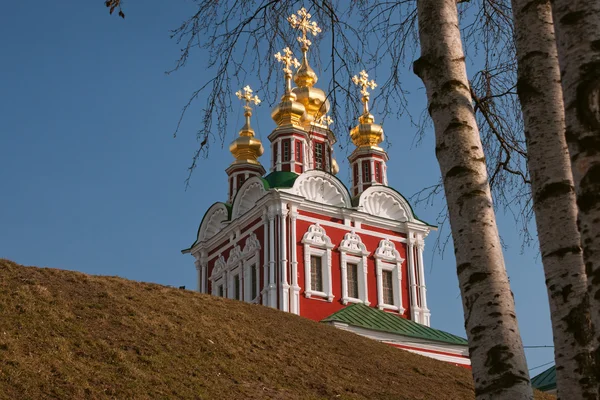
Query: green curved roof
x,y
372,318
546,380
280,179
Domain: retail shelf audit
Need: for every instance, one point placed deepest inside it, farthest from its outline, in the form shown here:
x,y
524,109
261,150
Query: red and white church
x,y
298,240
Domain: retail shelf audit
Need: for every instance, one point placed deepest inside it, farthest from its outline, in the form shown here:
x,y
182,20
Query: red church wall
x,y
316,308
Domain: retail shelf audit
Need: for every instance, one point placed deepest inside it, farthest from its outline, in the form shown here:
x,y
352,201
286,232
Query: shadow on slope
x,y
65,334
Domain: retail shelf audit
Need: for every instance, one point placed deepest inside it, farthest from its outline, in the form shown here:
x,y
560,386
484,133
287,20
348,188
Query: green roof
x,y
280,179
372,318
546,380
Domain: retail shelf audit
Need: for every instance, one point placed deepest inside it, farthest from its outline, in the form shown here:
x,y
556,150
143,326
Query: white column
x,y
293,154
272,285
278,166
203,286
360,175
264,291
295,300
422,287
284,298
414,314
198,265
384,172
379,285
372,170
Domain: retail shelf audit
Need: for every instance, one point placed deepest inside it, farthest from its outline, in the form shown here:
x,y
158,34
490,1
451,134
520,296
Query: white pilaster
x,y
295,297
423,289
284,298
410,242
265,289
272,284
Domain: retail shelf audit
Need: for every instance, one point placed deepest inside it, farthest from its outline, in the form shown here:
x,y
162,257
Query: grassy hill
x,y
68,335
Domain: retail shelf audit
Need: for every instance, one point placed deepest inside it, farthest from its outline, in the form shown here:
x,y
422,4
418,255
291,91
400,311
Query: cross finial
x,y
362,80
325,120
287,60
303,23
246,96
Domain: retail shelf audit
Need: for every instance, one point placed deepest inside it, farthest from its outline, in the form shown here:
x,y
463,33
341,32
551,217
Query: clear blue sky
x,y
92,179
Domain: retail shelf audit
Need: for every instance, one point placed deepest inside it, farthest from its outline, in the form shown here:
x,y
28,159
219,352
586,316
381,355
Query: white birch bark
x,y
496,351
577,27
540,93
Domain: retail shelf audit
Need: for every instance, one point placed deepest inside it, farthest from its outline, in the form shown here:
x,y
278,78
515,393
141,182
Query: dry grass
x,y
69,335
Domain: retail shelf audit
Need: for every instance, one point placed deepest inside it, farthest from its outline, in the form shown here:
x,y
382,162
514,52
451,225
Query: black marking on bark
x,y
554,189
497,361
589,196
454,84
421,65
588,96
595,45
526,91
457,125
579,323
477,277
458,170
478,329
534,3
462,267
563,251
495,314
572,17
566,291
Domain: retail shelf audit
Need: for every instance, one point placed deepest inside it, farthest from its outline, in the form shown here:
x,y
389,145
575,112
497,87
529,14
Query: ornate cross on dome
x,y
287,59
363,81
303,24
325,120
246,96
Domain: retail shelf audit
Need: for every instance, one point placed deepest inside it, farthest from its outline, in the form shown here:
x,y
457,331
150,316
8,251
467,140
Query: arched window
x,y
317,263
388,266
354,269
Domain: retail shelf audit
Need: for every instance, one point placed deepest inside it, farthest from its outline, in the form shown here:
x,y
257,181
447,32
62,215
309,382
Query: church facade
x,y
296,238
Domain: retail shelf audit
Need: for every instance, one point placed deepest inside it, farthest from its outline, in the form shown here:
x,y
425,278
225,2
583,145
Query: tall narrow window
x,y
253,281
388,287
352,279
236,287
319,155
298,151
366,171
221,291
316,273
378,172
275,146
241,179
355,174
286,150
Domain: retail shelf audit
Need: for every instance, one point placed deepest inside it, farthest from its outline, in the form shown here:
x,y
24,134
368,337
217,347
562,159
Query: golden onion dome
x,y
335,168
246,148
289,111
367,133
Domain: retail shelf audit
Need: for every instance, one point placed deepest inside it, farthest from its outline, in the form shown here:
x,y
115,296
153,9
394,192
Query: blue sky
x,y
93,180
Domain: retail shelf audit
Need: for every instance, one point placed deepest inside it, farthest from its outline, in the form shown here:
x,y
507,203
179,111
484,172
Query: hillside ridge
x,y
65,334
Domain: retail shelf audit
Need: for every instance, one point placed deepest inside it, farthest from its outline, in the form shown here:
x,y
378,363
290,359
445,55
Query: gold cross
x,y
287,60
325,120
247,97
303,24
364,82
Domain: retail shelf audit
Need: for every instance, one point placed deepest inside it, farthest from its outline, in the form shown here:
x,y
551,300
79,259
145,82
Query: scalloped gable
x,y
322,187
213,221
249,193
383,201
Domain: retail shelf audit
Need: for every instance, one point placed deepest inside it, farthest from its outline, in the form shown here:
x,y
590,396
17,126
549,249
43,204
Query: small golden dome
x,y
367,133
289,111
335,168
246,148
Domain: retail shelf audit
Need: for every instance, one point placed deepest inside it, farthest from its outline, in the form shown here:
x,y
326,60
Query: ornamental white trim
x,y
219,268
235,256
321,187
353,251
387,258
317,243
251,191
214,220
384,202
252,245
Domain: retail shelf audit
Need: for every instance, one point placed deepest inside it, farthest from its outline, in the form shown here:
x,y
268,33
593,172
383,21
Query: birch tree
x,y
577,27
554,202
495,347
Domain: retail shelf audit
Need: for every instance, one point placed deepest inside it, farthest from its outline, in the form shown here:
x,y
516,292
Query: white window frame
x,y
254,260
237,270
387,258
217,276
317,243
353,251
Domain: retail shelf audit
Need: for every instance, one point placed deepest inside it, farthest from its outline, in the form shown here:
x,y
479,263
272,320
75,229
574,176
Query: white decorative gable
x,y
252,245
250,192
352,243
234,256
384,202
387,251
321,187
215,219
316,236
220,266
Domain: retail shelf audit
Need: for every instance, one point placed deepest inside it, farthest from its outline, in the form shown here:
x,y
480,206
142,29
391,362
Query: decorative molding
x,y
252,245
323,188
316,236
251,191
220,266
352,243
317,243
213,222
387,258
387,252
384,205
235,256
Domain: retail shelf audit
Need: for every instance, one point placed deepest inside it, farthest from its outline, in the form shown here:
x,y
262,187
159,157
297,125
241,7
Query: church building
x,y
296,239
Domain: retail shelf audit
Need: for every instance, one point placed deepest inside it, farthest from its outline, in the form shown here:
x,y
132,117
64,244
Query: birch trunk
x,y
540,93
577,26
495,347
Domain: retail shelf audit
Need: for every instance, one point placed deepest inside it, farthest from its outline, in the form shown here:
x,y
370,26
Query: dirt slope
x,y
69,335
